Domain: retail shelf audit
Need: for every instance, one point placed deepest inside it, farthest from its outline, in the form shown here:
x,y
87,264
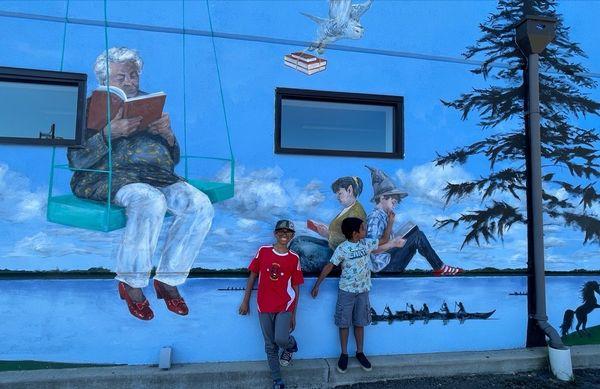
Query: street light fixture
x,y
533,34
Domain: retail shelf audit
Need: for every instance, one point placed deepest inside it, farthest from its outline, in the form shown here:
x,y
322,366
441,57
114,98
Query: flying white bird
x,y
343,22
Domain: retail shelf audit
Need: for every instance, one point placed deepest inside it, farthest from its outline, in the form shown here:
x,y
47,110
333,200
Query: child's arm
x,y
385,237
396,242
245,305
326,270
293,320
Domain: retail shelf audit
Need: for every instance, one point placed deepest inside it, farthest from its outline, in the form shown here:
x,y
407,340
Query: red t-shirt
x,y
277,273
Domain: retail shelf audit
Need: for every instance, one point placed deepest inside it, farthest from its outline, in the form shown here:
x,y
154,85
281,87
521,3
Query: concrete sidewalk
x,y
312,373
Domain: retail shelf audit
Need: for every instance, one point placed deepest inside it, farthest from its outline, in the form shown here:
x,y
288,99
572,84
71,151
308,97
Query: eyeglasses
x,y
284,232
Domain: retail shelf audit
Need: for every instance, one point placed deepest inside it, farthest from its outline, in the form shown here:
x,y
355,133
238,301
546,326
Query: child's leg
x,y
344,340
283,338
359,336
361,317
267,324
343,316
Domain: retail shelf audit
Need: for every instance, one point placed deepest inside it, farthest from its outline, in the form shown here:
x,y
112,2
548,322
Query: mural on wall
x,y
425,314
343,23
143,181
315,252
305,62
380,224
569,152
269,186
296,187
592,335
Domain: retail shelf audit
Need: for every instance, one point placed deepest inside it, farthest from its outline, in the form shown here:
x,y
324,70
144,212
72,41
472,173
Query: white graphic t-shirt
x,y
356,264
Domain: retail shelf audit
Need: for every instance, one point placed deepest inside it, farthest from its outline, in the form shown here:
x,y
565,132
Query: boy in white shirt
x,y
353,307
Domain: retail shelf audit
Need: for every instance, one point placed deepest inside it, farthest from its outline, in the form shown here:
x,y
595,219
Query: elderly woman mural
x,y
144,182
314,252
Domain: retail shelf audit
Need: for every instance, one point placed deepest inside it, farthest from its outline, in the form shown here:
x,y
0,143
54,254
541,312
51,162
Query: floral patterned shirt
x,y
142,157
356,264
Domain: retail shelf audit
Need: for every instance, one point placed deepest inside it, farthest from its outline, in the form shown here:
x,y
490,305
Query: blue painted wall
x,y
270,186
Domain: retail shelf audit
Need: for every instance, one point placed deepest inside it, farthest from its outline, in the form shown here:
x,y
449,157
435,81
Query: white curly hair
x,y
119,55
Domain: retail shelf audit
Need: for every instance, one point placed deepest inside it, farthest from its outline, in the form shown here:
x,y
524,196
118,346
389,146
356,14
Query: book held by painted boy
x,y
406,230
148,106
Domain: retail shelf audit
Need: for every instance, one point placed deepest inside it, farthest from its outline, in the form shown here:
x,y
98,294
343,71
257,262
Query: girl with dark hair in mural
x,y
589,304
314,252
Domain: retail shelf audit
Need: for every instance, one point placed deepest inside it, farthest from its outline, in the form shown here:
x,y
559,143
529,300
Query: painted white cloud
x,y
309,197
18,203
262,194
426,182
44,246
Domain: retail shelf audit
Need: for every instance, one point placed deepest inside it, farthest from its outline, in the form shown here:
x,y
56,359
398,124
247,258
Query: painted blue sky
x,y
268,185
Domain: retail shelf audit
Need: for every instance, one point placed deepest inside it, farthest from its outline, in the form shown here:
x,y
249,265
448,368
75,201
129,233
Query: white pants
x,y
145,207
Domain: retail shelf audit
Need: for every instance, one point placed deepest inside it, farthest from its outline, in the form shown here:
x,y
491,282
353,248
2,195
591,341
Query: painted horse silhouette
x,y
589,304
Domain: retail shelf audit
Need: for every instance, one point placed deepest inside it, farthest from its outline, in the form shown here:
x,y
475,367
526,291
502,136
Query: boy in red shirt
x,y
279,274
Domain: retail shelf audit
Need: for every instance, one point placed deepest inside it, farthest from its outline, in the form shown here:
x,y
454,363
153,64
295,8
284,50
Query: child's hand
x,y
391,216
399,242
244,308
315,291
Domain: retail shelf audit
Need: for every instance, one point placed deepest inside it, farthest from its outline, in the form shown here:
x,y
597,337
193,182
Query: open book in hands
x,y
314,225
149,107
406,230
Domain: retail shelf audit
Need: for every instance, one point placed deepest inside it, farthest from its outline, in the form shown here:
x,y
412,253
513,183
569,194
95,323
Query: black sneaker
x,y
364,362
278,384
286,356
342,365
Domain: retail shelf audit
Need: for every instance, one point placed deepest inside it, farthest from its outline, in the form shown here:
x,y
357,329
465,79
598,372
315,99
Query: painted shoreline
x,y
102,273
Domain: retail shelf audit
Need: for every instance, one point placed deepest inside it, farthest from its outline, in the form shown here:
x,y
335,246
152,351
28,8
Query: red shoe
x,y
174,304
447,271
140,310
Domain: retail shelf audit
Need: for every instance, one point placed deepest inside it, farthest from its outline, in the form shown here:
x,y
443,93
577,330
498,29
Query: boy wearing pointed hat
x,y
380,221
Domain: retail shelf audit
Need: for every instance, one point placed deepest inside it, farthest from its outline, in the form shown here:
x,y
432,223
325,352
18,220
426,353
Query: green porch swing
x,y
103,216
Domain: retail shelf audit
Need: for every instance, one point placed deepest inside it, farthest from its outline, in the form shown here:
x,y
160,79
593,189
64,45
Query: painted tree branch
x,y
570,154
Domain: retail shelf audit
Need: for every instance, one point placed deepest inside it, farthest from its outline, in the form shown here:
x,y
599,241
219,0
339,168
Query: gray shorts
x,y
352,309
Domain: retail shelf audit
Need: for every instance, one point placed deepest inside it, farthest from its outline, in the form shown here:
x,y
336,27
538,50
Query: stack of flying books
x,y
304,62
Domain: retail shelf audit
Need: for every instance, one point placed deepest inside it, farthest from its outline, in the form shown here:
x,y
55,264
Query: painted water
x,y
85,321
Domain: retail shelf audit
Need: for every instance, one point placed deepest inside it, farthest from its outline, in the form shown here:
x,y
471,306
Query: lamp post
x,y
533,34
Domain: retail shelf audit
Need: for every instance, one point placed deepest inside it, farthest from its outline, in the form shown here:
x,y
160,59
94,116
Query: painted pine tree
x,y
570,158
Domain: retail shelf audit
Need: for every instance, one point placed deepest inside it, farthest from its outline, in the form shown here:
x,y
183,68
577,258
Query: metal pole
x,y
535,245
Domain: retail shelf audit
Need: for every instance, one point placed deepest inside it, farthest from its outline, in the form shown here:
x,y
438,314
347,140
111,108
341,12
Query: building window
x,y
342,124
40,107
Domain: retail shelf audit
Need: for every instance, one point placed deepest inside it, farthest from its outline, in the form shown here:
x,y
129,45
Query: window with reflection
x,y
41,107
336,123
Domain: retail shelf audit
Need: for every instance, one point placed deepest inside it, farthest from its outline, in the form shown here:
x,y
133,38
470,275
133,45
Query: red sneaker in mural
x,y
141,310
447,271
175,303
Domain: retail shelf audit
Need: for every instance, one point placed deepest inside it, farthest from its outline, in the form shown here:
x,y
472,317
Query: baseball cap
x,y
285,224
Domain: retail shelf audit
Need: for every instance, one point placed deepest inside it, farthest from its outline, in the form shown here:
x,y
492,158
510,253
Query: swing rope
x,y
78,212
62,62
184,97
212,37
108,116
